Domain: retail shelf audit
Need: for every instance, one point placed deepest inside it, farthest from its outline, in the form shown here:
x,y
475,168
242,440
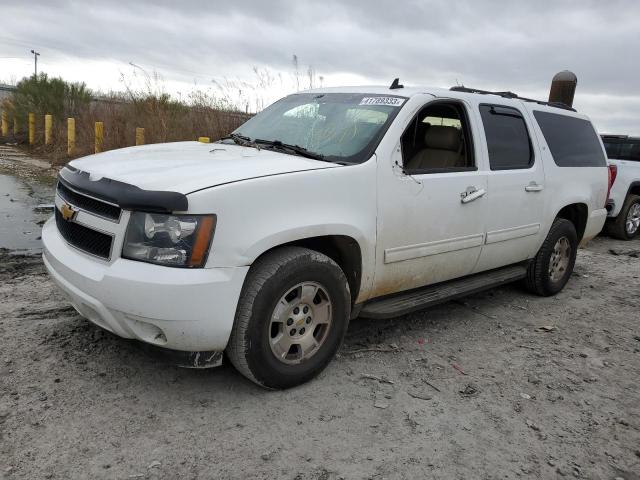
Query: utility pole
x,y
35,60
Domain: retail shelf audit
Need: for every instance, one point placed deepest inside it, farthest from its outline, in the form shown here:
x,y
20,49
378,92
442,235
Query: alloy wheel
x,y
633,219
560,257
300,323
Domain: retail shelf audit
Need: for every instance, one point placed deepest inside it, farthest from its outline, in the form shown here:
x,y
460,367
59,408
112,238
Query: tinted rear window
x,y
573,142
622,149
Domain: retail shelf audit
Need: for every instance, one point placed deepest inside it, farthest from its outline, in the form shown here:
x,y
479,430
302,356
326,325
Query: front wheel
x,y
551,268
291,318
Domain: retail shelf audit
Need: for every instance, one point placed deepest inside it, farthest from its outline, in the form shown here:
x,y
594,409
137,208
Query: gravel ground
x,y
500,385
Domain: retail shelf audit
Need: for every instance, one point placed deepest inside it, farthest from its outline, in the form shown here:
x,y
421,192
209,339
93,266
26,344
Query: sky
x,y
243,50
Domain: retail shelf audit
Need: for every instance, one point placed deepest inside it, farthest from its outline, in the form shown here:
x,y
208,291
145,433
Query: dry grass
x,y
213,112
163,118
162,123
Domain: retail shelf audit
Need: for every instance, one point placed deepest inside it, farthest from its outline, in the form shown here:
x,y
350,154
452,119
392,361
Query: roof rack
x,y
511,95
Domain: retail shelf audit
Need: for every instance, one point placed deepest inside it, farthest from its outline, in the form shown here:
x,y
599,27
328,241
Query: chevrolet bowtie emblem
x,y
68,212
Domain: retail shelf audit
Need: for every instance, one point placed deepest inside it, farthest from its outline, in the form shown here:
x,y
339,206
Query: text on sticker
x,y
390,101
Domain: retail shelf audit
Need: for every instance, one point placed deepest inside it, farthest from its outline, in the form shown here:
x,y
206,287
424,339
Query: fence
x,y
46,124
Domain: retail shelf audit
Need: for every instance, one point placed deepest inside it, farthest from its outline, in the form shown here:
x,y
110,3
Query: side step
x,y
407,302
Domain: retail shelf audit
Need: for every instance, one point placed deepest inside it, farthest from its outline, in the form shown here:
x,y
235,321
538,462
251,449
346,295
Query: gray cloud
x,y
493,45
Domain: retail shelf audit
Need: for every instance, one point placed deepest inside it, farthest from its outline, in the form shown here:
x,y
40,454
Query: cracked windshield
x,y
338,126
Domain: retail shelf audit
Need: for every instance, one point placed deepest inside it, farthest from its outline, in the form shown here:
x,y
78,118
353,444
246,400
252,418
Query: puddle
x,y
20,224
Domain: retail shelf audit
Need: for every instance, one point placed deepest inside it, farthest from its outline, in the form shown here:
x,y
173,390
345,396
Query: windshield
x,y
340,127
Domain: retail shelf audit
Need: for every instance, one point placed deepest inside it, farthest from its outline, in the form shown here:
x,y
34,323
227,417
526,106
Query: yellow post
x,y
204,139
48,124
16,127
71,136
99,136
139,136
5,123
32,129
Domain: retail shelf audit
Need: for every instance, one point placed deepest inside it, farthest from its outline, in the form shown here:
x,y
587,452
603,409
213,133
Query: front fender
x,y
301,233
259,214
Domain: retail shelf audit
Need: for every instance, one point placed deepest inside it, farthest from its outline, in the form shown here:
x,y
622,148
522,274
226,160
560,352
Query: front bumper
x,y
181,309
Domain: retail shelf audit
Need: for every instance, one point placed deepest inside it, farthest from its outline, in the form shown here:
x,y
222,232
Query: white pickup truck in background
x,y
623,207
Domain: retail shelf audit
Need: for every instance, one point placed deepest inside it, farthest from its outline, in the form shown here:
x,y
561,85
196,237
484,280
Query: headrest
x,y
440,137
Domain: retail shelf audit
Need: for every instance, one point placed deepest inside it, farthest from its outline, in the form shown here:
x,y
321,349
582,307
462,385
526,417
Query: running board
x,y
407,302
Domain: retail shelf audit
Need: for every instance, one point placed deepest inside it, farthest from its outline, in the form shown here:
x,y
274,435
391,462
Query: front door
x,y
431,201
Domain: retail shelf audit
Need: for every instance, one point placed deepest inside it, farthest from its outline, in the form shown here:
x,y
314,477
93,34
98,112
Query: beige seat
x,y
442,149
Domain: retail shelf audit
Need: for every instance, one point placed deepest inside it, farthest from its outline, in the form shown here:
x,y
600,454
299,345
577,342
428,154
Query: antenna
x,y
395,84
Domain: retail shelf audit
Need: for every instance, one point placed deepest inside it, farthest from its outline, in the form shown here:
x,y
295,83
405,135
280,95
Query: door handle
x,y
471,194
534,187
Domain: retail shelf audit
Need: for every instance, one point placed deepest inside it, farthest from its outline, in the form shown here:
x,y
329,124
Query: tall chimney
x,y
563,88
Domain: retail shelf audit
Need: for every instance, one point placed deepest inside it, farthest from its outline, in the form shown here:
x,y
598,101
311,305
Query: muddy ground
x,y
500,385
25,183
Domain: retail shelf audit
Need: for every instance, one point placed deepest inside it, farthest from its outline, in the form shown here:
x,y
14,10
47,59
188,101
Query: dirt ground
x,y
470,389
502,384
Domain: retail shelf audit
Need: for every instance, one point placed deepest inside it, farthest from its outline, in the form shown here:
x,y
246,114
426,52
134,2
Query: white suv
x,y
624,200
329,204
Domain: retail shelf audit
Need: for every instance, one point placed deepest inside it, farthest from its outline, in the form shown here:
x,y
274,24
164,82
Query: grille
x,y
83,238
89,204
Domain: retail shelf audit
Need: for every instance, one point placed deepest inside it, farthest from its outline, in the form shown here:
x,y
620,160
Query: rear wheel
x,y
551,269
626,225
292,316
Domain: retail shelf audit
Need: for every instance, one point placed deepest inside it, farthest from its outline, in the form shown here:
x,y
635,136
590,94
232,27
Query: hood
x,y
185,167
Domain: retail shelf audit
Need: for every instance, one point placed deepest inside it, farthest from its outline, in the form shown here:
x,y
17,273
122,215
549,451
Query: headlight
x,y
172,240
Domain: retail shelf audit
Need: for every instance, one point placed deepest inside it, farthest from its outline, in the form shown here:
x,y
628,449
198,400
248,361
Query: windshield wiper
x,y
241,140
297,149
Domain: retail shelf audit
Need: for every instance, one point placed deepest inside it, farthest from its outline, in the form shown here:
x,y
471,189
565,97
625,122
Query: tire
x,y
540,279
620,226
253,347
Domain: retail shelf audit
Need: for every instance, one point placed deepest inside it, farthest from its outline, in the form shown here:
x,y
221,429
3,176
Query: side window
x,y
630,150
507,138
438,139
622,148
612,147
573,141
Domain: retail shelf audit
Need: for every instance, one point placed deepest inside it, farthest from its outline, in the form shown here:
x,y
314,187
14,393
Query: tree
x,y
41,95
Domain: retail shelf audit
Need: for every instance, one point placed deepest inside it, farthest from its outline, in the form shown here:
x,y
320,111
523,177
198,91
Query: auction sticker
x,y
389,101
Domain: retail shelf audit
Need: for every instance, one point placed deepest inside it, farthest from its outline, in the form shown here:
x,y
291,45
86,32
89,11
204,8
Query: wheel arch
x,y
342,249
578,214
634,189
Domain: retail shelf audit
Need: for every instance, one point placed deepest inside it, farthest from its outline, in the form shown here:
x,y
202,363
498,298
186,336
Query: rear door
x,y
516,187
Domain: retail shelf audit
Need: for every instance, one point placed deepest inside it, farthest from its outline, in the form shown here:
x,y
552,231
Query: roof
x,y
379,89
505,98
